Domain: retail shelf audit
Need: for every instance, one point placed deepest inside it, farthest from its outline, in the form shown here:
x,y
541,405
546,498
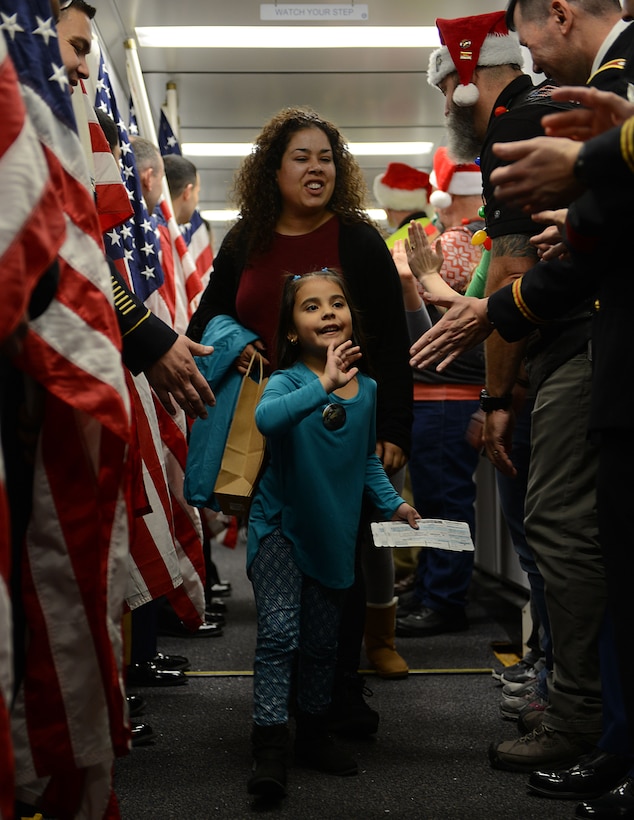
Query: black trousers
x,y
615,494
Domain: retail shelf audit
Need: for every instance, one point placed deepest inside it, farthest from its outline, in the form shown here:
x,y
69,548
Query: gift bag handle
x,y
250,366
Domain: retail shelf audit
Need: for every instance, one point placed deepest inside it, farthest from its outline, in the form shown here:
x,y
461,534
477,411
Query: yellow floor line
x,y
233,673
505,658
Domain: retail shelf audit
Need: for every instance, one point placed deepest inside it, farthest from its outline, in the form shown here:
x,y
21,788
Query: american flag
x,y
6,656
111,195
134,247
133,128
195,233
167,545
68,715
31,233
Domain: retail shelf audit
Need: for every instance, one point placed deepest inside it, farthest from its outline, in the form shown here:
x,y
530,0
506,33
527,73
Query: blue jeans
x,y
441,466
297,616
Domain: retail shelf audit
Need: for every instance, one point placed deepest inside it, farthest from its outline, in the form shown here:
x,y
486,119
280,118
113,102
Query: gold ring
x,y
413,247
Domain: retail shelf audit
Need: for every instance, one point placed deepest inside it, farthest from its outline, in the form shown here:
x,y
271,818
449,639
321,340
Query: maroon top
x,y
260,289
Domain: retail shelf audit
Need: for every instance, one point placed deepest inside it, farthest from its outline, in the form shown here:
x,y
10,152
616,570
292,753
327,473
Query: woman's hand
x,y
244,359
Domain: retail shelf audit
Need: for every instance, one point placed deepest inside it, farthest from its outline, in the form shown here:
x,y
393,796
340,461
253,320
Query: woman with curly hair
x,y
300,196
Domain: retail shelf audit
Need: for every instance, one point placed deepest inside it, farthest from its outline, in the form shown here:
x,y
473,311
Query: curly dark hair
x,y
255,189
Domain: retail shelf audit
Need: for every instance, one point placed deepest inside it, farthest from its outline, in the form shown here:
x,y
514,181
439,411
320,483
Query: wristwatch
x,y
491,403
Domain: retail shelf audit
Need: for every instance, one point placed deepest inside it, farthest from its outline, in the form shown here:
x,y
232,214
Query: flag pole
x,y
142,103
171,108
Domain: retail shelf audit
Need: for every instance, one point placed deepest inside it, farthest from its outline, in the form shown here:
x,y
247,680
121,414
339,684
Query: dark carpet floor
x,y
427,762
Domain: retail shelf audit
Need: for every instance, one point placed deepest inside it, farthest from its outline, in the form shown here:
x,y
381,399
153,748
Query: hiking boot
x,y
349,714
541,747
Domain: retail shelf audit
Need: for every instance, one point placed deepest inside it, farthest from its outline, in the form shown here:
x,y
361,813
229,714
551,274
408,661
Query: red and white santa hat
x,y
450,178
402,188
469,42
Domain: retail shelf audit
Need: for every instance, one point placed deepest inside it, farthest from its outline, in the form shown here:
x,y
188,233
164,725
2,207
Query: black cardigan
x,y
375,290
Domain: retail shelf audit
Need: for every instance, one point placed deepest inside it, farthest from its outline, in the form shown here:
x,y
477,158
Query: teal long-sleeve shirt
x,y
314,482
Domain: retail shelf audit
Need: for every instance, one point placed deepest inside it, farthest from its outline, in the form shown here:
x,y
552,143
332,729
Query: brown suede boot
x,y
380,621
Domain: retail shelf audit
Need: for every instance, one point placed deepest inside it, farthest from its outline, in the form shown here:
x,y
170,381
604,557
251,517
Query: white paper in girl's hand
x,y
431,532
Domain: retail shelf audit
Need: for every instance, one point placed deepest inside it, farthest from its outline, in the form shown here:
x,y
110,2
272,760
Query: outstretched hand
x,y
550,243
463,326
338,371
176,376
602,110
539,173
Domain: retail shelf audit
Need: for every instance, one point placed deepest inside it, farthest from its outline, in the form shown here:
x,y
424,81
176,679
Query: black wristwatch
x,y
491,403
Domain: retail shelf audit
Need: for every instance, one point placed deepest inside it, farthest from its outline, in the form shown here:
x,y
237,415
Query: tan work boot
x,y
380,620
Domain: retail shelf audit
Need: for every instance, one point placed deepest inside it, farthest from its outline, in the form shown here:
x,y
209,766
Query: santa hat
x,y
469,42
450,178
402,188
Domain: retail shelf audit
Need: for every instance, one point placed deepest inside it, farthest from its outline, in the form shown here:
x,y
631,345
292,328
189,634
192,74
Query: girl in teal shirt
x,y
318,416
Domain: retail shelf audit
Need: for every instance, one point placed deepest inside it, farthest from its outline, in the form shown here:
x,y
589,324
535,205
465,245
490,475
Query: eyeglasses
x,y
334,416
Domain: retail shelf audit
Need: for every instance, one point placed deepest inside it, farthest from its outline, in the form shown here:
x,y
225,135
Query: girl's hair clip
x,y
295,277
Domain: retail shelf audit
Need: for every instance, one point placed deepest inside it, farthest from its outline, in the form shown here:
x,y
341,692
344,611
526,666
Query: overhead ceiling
x,y
226,95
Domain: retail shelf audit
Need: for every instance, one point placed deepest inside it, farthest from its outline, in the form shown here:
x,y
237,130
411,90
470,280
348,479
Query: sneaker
x,y
516,692
529,659
512,705
349,714
541,747
526,670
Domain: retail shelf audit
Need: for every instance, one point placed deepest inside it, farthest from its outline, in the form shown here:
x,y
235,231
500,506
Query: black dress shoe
x,y
592,775
148,674
408,602
179,630
429,622
617,804
136,705
179,662
142,733
215,618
